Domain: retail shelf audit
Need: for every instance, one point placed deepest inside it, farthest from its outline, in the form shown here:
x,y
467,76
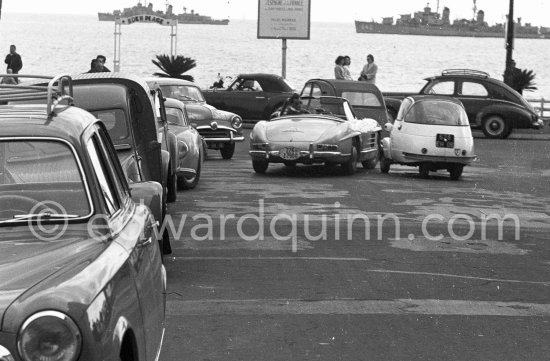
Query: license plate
x,y
289,153
445,141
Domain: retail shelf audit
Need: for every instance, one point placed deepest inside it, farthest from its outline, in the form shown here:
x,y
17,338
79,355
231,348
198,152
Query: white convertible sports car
x,y
322,130
430,132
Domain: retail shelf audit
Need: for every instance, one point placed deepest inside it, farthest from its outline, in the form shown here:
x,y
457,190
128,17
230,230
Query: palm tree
x,y
521,79
524,80
174,67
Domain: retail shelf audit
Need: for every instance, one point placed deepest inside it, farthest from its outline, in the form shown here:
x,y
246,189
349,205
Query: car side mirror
x,y
388,127
149,194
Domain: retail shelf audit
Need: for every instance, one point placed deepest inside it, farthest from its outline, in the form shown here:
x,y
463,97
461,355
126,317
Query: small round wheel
x,y
191,182
227,150
172,186
494,126
260,166
424,170
456,171
385,163
350,167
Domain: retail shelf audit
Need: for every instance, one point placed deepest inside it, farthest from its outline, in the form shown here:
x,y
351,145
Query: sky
x,y
536,12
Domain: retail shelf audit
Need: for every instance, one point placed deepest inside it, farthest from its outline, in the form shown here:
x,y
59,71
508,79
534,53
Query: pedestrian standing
x,y
347,72
100,64
339,68
13,61
369,71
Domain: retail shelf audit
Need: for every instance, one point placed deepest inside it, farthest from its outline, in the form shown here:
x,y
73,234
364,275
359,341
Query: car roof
x,y
173,103
31,120
169,81
349,84
450,99
120,76
260,76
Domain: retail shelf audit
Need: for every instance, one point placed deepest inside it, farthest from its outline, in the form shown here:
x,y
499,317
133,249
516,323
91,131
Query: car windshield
x,y
115,122
40,177
362,99
174,116
437,112
182,92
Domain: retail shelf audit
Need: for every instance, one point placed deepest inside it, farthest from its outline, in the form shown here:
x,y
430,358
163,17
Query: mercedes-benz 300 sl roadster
x,y
323,130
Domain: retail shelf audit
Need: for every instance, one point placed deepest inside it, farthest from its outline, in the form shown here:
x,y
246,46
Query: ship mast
x,y
475,10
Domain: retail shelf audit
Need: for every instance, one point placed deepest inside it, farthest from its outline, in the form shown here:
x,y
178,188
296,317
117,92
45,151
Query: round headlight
x,y
236,122
49,335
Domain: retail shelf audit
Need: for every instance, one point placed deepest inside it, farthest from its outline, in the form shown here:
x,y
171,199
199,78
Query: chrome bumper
x,y
438,159
305,156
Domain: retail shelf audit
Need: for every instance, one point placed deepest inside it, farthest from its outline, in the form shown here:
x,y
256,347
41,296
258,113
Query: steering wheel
x,y
12,204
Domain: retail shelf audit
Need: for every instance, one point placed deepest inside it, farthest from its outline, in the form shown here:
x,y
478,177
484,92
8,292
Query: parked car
x,y
132,114
327,132
431,133
82,276
491,105
252,96
220,129
191,147
367,100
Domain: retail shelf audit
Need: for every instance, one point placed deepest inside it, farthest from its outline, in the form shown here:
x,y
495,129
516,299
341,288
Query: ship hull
x,y
377,28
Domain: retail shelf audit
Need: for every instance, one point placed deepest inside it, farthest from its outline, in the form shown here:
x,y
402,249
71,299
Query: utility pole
x,y
509,44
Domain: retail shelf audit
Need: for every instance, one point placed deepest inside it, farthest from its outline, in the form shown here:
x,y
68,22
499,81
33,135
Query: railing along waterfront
x,y
542,107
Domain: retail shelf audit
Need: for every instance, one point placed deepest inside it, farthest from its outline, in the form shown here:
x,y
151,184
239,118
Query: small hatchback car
x,y
431,132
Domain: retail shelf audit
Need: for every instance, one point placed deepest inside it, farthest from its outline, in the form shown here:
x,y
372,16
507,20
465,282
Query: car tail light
x,y
49,336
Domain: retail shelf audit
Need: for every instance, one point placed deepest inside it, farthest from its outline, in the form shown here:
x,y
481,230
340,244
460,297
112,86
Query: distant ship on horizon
x,y
431,23
183,18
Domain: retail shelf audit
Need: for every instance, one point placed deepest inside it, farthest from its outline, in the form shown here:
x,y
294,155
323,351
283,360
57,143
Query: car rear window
x,y
436,112
40,176
362,99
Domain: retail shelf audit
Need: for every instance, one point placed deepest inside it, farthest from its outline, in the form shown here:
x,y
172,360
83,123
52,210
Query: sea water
x,y
51,44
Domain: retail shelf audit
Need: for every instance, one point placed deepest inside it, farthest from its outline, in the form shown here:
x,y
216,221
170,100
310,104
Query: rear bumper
x,y
421,158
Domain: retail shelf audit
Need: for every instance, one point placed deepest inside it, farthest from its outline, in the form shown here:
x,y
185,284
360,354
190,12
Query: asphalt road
x,y
267,267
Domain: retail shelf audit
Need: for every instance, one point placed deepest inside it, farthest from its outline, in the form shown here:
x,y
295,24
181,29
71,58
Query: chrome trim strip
x,y
232,140
369,150
157,357
186,170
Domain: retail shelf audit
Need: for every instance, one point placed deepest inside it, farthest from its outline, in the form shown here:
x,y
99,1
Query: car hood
x,y
25,260
302,129
204,113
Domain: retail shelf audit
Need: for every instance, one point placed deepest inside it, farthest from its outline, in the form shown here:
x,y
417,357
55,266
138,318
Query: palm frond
x,y
174,67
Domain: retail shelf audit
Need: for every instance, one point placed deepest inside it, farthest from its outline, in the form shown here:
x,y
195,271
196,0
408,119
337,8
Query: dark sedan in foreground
x,y
81,275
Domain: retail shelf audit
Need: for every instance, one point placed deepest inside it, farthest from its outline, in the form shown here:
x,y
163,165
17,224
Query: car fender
x,y
386,147
149,194
173,150
515,116
165,165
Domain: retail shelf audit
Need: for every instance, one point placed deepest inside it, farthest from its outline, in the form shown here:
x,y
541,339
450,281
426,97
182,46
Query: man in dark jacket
x,y
13,60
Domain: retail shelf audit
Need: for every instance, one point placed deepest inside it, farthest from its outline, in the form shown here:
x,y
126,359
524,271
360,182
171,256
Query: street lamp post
x,y
509,44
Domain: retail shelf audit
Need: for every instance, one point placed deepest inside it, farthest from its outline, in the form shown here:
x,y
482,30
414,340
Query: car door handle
x,y
145,242
260,97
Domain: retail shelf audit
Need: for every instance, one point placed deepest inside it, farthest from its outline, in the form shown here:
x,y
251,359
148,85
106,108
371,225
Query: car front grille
x,y
209,133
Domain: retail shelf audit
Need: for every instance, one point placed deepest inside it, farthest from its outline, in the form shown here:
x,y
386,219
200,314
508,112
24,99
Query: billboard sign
x,y
284,19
